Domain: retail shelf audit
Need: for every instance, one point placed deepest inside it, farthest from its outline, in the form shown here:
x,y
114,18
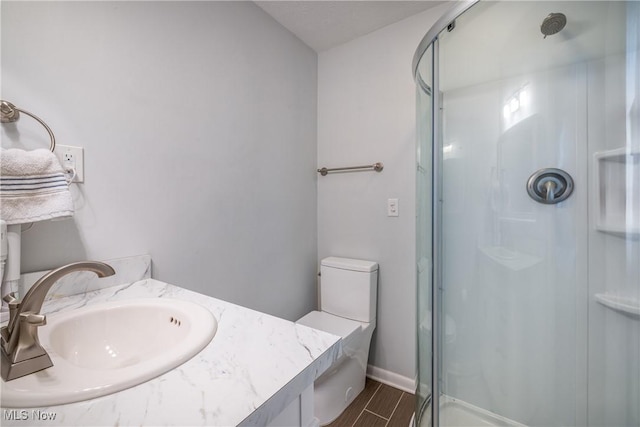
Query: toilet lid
x,y
330,323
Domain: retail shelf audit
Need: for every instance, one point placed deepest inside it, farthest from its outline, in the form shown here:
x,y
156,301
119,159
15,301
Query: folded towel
x,y
33,187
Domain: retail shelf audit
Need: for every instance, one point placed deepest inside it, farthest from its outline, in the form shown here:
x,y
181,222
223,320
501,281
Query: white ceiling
x,y
325,24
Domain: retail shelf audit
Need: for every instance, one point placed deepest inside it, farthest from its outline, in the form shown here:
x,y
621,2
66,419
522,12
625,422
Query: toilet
x,y
348,296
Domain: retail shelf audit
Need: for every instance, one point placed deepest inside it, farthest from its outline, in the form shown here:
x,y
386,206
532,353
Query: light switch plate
x,y
392,207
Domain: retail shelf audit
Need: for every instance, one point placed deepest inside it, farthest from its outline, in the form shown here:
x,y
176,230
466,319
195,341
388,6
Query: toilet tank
x,y
349,288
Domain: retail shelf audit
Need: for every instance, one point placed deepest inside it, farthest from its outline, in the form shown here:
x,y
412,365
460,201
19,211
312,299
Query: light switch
x,y
392,207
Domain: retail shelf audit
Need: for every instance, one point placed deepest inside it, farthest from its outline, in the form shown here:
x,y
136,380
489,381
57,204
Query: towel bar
x,y
11,114
376,167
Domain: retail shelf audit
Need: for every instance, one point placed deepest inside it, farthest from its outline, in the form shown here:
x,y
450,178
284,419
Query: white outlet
x,y
71,158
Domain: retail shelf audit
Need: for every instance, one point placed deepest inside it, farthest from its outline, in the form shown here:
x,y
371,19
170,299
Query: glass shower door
x,y
538,169
511,341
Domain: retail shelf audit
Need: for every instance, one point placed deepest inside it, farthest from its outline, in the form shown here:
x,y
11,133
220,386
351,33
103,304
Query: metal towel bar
x,y
376,167
11,113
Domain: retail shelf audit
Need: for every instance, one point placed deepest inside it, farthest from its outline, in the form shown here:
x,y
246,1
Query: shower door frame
x,y
436,235
431,39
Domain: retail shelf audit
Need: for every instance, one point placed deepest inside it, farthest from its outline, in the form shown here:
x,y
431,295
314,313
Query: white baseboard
x,y
391,378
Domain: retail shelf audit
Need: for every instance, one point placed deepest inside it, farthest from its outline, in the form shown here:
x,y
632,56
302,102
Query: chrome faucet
x,y
21,351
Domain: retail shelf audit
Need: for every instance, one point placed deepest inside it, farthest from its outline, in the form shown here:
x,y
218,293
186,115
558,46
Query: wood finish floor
x,y
378,405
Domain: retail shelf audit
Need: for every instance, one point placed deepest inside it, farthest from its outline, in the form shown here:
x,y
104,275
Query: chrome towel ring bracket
x,y
10,114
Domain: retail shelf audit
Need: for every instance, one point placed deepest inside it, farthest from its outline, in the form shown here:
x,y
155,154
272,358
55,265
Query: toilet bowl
x,y
348,297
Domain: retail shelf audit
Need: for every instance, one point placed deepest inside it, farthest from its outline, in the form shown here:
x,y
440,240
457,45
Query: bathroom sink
x,y
104,348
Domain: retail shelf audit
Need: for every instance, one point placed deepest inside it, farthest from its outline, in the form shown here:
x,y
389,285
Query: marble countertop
x,y
253,368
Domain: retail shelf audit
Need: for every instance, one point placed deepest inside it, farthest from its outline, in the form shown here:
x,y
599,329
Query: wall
x,y
198,121
366,114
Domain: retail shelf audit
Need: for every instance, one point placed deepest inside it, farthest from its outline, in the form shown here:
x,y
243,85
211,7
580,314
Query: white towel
x,y
33,187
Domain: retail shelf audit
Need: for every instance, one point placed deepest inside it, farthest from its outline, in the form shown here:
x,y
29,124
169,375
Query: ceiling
x,y
325,24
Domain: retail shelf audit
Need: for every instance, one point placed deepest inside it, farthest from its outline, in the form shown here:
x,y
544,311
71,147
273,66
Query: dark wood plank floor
x,y
378,405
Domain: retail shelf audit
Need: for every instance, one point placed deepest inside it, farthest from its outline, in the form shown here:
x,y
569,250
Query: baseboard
x,y
391,378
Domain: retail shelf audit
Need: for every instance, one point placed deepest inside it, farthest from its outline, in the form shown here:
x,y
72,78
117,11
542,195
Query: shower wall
x,y
512,343
614,256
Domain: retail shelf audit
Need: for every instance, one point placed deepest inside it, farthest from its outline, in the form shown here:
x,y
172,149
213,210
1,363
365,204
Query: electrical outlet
x,y
71,158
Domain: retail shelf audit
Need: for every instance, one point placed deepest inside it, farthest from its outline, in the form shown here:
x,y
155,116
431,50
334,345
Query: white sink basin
x,y
104,348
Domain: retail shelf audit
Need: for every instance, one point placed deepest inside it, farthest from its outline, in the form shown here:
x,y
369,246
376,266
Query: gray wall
x,y
366,114
198,121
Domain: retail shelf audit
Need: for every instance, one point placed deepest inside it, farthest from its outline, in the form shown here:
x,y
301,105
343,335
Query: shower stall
x,y
528,215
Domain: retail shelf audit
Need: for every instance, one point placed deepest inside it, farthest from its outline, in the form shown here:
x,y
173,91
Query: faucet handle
x,y
10,298
33,319
14,304
23,340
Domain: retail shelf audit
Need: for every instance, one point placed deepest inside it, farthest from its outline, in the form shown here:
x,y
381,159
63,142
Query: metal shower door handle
x,y
550,186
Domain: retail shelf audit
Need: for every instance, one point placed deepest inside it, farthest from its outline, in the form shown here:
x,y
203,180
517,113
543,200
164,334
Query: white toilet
x,y
348,296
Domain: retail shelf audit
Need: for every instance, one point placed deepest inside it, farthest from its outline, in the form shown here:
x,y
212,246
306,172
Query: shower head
x,y
552,24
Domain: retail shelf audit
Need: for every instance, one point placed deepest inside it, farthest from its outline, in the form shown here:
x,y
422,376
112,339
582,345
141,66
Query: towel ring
x,y
11,114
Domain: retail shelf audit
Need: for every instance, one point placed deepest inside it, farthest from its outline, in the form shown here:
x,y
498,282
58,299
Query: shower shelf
x,y
617,205
622,304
